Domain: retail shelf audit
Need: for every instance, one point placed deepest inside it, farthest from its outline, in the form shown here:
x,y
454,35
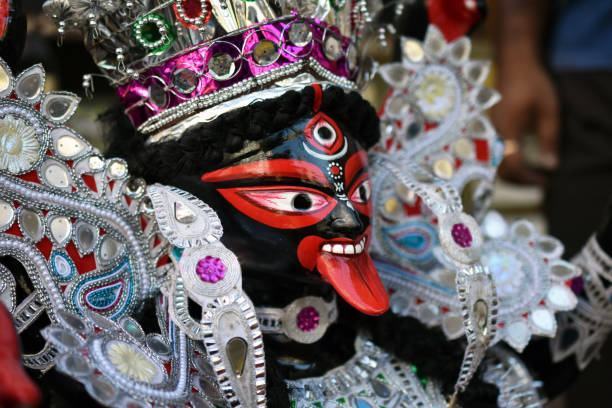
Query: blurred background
x,y
552,64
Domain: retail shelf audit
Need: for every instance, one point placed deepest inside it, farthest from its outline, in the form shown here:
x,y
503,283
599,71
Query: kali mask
x,y
290,183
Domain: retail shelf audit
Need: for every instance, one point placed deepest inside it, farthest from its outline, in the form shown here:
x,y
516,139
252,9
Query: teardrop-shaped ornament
x,y
55,174
412,51
523,229
86,237
110,249
435,43
30,84
7,215
452,325
560,297
477,71
395,74
562,270
487,97
494,226
31,224
549,247
67,145
236,350
459,50
132,328
517,334
58,107
542,321
479,127
184,220
60,229
6,80
183,214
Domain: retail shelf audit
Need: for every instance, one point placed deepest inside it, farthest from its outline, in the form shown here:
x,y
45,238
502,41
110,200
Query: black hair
x,y
205,146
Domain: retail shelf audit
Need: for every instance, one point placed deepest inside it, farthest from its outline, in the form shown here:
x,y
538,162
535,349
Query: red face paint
x,y
306,187
277,168
283,207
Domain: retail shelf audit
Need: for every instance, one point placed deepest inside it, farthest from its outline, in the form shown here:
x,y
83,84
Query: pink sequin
x,y
211,269
462,236
308,319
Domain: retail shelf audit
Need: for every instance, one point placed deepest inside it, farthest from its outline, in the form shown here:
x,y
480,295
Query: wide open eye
x,y
325,134
286,207
361,193
289,201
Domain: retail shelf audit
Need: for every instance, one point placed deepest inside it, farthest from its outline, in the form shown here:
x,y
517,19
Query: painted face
x,y
299,201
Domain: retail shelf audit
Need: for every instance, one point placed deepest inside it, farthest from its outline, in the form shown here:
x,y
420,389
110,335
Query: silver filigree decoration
x,y
183,219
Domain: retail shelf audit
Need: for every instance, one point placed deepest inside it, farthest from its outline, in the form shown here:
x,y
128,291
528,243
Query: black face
x,y
299,200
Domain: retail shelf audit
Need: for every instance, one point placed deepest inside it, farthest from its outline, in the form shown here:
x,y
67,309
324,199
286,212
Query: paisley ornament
x,y
109,293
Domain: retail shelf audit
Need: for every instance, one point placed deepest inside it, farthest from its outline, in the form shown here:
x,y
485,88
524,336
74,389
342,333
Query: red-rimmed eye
x,y
285,207
361,193
296,202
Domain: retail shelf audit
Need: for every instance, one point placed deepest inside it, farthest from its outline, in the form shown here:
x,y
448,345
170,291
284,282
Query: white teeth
x,y
345,249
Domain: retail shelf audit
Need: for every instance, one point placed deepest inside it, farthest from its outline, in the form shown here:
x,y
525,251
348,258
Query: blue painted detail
x,y
104,297
111,292
412,240
386,268
498,152
359,403
62,266
177,252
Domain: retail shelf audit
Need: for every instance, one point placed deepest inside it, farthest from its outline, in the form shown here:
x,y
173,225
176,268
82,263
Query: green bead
x,y
150,32
146,31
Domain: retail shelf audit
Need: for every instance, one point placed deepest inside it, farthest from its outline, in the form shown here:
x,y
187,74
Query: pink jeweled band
x,y
226,67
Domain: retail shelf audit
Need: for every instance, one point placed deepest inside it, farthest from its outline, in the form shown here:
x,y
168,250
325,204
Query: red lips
x,y
352,275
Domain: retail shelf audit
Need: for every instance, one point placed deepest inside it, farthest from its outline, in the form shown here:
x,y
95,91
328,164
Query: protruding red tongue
x,y
355,278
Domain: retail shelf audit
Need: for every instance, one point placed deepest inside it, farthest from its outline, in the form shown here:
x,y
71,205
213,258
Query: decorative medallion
x,y
19,145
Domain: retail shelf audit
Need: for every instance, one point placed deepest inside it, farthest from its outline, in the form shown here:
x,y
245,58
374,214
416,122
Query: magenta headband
x,y
236,64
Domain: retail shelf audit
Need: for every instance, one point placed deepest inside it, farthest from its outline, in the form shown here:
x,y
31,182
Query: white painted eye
x,y
363,193
325,134
288,201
